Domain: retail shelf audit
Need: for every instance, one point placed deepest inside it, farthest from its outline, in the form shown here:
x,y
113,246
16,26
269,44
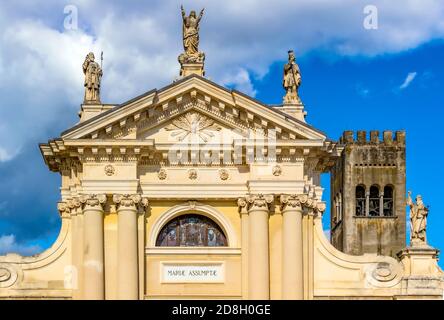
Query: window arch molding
x,y
193,207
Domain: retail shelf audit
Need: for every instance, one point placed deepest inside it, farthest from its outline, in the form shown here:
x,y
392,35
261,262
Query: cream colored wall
x,y
110,234
231,288
275,238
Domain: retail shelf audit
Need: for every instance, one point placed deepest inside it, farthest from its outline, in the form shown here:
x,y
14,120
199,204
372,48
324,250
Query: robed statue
x,y
418,220
93,76
292,80
191,38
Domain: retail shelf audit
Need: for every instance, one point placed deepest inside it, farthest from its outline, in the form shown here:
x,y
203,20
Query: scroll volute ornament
x,y
292,201
130,200
93,200
259,201
302,200
64,210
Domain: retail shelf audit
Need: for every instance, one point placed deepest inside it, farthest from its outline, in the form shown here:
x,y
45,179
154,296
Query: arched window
x,y
191,230
360,201
388,201
374,201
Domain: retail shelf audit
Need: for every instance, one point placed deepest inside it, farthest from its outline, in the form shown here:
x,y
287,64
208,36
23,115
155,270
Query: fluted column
x,y
93,266
77,247
292,245
258,246
128,207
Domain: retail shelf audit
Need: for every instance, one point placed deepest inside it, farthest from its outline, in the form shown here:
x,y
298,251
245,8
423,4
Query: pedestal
x,y
192,68
294,110
422,275
88,111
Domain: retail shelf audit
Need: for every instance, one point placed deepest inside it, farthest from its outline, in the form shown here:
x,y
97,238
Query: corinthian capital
x,y
303,201
135,201
93,200
64,210
259,201
242,204
292,201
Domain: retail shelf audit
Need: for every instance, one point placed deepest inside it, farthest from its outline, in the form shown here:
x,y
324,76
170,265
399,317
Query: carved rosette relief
x,y
135,201
224,174
277,171
162,174
193,126
192,174
110,170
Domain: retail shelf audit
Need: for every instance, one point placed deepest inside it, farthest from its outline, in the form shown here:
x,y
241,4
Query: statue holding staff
x,y
93,76
418,220
292,80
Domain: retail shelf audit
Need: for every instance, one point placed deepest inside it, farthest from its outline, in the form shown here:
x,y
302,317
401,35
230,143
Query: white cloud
x,y
8,244
40,62
5,155
408,80
241,81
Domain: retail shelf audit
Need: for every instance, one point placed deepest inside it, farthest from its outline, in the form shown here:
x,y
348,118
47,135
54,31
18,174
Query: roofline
x,y
77,126
155,91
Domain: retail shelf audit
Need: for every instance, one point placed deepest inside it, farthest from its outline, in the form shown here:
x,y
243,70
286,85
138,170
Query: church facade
x,y
195,191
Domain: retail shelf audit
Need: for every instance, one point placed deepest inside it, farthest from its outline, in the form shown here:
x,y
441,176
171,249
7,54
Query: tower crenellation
x,y
368,188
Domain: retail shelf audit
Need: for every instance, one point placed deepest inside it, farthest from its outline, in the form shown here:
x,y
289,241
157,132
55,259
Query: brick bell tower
x,y
368,188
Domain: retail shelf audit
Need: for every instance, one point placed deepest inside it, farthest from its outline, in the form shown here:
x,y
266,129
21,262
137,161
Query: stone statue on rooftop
x,y
418,220
93,76
191,38
292,80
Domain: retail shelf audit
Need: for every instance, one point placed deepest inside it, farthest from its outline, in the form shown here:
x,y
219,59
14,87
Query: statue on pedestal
x,y
418,220
93,76
292,80
191,40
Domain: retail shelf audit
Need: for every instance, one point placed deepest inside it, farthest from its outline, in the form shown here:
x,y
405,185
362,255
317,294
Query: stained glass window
x,y
191,230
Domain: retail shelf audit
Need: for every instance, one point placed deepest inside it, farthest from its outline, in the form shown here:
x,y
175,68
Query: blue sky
x,y
353,78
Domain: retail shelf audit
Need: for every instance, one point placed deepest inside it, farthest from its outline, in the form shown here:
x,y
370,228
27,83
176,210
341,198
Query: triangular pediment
x,y
190,97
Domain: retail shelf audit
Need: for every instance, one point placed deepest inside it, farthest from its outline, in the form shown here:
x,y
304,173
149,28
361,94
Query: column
x,y
292,261
258,247
93,266
127,248
381,203
77,246
243,212
367,203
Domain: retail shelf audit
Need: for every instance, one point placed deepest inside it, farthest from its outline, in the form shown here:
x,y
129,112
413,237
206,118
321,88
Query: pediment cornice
x,y
232,107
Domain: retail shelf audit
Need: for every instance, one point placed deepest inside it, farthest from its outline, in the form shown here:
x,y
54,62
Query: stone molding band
x,y
77,205
287,201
